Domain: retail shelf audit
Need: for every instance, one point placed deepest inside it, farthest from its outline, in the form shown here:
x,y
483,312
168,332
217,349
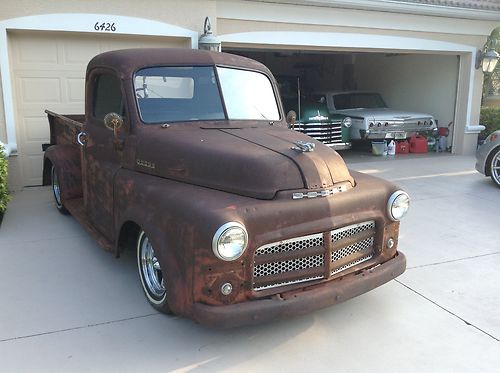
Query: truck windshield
x,y
178,94
173,94
358,100
248,94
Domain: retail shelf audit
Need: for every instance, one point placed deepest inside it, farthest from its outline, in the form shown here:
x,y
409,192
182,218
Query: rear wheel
x,y
495,167
152,276
56,191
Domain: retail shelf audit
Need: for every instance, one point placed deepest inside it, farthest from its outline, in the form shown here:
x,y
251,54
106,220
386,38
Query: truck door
x,y
101,157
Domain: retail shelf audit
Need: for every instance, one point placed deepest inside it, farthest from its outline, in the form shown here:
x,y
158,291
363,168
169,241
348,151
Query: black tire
x,y
152,277
56,191
495,167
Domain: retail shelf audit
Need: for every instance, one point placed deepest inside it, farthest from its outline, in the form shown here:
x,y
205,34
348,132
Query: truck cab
x,y
185,157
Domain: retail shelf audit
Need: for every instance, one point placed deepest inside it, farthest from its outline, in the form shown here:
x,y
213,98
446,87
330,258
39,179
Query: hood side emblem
x,y
303,146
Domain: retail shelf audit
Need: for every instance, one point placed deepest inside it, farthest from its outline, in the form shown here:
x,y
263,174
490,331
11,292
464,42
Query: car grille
x,y
313,257
329,133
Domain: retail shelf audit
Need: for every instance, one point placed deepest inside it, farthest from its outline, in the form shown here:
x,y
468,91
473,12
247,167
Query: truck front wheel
x,y
56,191
152,276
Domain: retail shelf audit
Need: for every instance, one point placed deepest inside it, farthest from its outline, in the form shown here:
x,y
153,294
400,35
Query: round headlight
x,y
347,122
398,205
230,241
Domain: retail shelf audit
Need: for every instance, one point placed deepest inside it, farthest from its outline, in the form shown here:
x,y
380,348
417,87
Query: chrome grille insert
x,y
289,265
302,259
329,132
293,244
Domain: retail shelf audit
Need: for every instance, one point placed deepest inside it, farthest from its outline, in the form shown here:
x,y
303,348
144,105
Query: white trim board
x,y
360,42
73,22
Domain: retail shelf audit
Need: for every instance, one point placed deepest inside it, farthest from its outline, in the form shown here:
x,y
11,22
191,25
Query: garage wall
x,y
421,83
189,14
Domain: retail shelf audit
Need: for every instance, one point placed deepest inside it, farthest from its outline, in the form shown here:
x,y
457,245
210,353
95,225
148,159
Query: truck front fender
x,y
67,161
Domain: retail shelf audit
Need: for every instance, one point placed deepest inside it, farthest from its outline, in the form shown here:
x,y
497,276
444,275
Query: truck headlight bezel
x,y
347,122
230,241
398,205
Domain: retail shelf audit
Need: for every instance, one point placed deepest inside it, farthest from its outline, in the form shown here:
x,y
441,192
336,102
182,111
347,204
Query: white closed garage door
x,y
48,72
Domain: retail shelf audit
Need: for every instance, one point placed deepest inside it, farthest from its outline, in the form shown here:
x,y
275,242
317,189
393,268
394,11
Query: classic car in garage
x,y
372,119
312,116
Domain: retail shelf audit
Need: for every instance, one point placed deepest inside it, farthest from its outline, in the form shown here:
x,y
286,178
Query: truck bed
x,y
64,128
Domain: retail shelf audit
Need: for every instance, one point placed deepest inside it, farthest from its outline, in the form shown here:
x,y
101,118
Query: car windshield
x,y
178,94
358,100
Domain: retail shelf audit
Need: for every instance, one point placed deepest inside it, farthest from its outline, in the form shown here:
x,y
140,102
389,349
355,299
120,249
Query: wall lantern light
x,y
208,41
487,60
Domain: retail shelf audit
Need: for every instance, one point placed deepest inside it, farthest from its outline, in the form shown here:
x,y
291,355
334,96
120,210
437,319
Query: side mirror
x,y
114,122
291,118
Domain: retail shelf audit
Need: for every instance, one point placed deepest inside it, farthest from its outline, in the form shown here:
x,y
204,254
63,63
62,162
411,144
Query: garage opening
x,y
421,83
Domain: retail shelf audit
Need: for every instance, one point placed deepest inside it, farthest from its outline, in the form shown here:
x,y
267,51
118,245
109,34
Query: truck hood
x,y
385,114
255,161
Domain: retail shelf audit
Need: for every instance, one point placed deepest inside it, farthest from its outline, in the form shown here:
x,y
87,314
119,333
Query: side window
x,y
107,96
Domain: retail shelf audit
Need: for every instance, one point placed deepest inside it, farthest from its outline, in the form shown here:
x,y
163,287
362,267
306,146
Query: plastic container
x,y
391,148
431,143
402,147
418,144
379,148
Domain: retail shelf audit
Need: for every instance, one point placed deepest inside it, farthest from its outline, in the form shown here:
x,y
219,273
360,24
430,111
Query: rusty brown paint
x,y
180,183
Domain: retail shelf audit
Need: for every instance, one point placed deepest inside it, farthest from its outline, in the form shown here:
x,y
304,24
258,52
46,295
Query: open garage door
x,y
422,83
48,72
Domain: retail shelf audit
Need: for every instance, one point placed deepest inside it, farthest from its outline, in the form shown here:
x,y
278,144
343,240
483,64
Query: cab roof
x,y
127,61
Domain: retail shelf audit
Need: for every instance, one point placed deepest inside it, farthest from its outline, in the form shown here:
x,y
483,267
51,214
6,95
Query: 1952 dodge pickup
x,y
185,157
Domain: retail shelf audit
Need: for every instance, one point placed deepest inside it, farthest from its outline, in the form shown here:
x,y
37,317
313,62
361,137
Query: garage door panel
x,y
79,53
48,72
35,49
75,90
35,128
40,90
32,164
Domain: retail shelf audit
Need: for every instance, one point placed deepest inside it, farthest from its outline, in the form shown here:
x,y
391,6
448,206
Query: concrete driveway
x,y
68,306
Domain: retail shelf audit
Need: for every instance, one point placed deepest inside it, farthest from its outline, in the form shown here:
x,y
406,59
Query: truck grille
x,y
310,258
329,133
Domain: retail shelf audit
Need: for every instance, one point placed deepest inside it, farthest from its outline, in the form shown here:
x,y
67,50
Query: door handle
x,y
82,138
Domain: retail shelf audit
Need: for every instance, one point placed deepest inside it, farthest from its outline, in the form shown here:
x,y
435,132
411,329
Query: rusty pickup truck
x,y
185,157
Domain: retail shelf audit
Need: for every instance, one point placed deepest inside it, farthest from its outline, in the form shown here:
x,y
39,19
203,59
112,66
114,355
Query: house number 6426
x,y
105,26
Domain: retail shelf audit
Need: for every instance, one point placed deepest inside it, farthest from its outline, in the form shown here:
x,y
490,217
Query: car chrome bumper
x,y
340,146
298,303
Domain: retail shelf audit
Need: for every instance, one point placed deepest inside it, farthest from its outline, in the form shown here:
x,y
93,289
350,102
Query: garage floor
x,y
66,305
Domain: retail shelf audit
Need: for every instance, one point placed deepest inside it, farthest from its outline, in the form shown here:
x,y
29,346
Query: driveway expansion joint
x,y
450,312
79,327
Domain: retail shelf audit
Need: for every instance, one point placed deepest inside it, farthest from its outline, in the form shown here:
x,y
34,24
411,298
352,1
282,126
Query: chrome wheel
x,y
150,271
495,168
56,189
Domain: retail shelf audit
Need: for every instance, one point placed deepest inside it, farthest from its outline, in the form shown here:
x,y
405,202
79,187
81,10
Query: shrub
x,y
4,192
489,117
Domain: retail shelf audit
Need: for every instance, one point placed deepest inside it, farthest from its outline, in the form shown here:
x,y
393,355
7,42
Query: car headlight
x,y
230,241
398,205
347,122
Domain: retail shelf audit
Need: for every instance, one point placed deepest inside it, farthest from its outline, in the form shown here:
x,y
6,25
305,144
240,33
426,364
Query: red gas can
x,y
418,144
402,147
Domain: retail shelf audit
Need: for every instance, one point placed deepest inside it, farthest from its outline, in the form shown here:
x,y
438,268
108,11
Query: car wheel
x,y
495,167
56,191
152,276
